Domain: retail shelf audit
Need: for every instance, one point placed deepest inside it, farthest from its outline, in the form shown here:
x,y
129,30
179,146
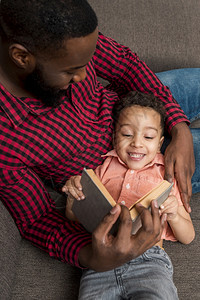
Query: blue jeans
x,y
185,87
149,276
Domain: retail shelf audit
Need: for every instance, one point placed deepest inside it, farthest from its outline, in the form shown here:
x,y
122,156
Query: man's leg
x,y
185,87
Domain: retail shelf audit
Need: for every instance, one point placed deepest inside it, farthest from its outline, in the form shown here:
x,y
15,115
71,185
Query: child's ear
x,y
160,143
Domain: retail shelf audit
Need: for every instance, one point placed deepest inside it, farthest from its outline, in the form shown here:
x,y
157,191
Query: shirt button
x,y
123,202
132,171
128,186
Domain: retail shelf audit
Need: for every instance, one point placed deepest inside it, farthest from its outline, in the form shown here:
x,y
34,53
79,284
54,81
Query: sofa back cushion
x,y
164,33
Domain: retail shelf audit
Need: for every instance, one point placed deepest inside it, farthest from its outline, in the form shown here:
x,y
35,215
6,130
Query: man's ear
x,y
22,57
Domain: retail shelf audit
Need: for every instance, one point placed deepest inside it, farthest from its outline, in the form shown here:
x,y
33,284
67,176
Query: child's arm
x,y
73,189
179,220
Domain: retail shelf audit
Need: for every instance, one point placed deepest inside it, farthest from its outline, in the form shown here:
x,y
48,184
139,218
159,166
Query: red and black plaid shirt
x,y
38,142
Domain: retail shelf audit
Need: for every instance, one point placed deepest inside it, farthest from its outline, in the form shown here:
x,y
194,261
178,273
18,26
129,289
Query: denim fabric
x,y
185,87
149,276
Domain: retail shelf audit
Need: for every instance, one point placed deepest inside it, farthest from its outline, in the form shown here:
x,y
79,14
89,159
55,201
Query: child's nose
x,y
136,142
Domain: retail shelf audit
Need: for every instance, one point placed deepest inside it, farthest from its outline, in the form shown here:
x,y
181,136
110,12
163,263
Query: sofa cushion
x,y
185,259
10,244
39,276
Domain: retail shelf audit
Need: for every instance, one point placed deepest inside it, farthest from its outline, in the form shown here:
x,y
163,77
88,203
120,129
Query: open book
x,y
98,202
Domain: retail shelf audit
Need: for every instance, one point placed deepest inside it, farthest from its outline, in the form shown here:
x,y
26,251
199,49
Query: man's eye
x,y
149,137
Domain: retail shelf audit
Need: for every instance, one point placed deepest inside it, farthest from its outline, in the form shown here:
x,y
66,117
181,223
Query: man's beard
x,y
35,83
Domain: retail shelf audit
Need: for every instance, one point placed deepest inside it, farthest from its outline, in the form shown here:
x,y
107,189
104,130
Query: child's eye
x,y
127,135
149,137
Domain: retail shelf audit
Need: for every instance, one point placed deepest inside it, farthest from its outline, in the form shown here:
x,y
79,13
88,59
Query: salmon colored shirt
x,y
127,186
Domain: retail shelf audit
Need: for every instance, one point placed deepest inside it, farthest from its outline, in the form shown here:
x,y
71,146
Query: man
x,y
56,118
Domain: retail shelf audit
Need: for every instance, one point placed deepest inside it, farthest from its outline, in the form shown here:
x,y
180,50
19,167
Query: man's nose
x,y
80,75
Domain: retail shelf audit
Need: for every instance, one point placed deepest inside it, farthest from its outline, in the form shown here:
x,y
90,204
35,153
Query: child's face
x,y
138,136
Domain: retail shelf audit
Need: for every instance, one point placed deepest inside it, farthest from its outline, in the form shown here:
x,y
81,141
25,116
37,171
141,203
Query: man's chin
x,y
35,83
50,98
53,99
65,87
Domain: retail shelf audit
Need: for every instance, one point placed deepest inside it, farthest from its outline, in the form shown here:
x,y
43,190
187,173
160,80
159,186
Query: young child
x,y
129,171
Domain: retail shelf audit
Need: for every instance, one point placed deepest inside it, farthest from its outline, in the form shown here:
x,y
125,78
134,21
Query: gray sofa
x,y
166,35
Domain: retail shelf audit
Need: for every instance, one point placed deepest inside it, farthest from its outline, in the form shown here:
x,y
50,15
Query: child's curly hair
x,y
141,99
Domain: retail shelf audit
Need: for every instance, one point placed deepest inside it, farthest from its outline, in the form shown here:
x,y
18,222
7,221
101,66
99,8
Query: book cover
x,y
98,202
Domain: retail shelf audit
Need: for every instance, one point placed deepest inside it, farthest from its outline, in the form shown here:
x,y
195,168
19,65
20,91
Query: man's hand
x,y
180,162
108,252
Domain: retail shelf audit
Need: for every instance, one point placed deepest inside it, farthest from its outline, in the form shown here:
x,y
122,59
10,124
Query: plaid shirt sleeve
x,y
37,219
125,71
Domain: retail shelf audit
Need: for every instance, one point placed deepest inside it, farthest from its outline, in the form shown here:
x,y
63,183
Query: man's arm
x,y
35,215
180,162
125,72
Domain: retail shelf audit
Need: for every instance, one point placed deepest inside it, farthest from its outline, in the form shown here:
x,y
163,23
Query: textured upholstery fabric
x,y
164,33
186,259
40,277
9,252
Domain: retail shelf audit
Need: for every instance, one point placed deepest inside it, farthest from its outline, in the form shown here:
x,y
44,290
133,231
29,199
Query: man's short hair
x,y
42,24
141,99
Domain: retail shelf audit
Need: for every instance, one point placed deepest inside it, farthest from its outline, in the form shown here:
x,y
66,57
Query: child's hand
x,y
170,207
73,187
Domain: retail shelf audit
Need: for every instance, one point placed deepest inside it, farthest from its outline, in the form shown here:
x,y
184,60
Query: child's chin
x,y
136,166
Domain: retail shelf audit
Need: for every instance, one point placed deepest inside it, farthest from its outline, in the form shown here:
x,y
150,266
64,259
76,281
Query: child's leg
x,y
150,276
147,277
99,286
185,87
